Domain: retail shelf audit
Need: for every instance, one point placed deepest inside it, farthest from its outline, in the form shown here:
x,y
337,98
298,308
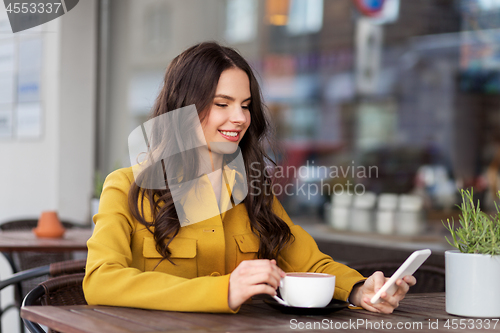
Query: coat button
x,y
215,274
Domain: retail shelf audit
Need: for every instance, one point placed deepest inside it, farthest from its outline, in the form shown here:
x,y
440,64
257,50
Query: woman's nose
x,y
238,115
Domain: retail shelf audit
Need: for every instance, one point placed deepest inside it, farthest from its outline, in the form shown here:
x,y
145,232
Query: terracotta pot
x,y
49,226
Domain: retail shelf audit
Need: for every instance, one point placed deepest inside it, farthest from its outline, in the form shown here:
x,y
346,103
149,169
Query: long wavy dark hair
x,y
192,78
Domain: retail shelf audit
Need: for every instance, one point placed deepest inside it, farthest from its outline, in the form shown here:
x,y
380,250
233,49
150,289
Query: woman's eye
x,y
246,107
221,105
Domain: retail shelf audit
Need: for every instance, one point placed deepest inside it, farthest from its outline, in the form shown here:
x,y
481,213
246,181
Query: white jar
x,y
362,212
340,210
386,213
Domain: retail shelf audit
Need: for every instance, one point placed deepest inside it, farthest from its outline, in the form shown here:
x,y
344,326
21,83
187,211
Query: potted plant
x,y
473,270
94,202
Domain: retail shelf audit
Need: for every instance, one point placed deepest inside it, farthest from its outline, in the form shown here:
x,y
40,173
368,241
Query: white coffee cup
x,y
307,290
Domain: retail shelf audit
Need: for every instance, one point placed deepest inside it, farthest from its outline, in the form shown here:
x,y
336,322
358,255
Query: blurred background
x,y
383,110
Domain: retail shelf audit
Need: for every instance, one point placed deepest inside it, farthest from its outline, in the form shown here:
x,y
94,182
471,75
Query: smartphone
x,y
409,267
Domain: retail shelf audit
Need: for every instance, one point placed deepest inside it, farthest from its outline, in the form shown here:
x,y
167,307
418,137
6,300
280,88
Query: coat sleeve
x,y
110,278
303,255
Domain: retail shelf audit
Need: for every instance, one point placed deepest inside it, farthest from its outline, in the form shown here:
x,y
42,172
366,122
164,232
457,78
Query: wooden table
x,y
25,240
418,312
73,240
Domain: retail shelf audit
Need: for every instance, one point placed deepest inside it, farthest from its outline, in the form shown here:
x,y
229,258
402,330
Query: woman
x,y
179,231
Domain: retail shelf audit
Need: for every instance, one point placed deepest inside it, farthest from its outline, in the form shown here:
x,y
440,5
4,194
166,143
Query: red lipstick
x,y
231,138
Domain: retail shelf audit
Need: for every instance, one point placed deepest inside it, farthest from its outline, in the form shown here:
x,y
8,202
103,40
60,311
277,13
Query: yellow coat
x,y
123,270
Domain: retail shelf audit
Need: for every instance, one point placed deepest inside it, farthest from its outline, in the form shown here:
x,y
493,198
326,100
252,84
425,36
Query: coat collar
x,y
200,203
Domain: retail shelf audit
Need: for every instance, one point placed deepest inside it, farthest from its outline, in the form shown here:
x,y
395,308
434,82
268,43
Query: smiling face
x,y
229,116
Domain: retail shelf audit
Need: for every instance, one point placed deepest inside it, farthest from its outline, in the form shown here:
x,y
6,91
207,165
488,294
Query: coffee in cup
x,y
307,290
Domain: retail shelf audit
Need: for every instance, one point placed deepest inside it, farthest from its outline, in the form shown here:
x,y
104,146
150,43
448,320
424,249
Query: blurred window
x,y
306,16
489,4
241,21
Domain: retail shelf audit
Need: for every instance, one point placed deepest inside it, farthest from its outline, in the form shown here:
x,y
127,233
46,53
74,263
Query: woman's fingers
x,y
403,288
251,278
378,280
369,306
391,302
280,271
388,302
257,289
410,279
263,278
259,267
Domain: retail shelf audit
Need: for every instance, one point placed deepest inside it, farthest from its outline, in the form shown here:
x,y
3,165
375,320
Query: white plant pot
x,y
472,284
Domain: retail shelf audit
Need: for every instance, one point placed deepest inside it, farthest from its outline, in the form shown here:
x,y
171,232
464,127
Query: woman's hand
x,y
253,277
361,294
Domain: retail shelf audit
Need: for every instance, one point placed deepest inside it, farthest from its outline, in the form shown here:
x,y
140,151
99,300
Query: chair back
x,y
53,270
67,267
64,290
58,291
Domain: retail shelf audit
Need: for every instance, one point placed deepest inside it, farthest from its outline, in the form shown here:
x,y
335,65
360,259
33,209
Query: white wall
x,y
55,172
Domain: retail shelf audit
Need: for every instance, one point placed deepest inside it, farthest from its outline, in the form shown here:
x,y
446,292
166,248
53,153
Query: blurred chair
x,y
23,260
62,290
52,270
16,279
429,278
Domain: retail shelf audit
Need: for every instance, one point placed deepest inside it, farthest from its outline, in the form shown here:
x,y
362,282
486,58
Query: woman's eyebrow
x,y
231,98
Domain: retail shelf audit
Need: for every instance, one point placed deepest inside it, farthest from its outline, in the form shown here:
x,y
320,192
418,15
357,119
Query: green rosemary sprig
x,y
478,232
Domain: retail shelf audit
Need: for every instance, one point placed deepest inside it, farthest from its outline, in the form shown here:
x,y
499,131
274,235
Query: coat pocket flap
x,y
247,242
180,248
